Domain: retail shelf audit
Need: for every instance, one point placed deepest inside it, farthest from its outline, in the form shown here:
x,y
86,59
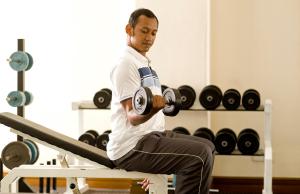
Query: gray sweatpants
x,y
190,158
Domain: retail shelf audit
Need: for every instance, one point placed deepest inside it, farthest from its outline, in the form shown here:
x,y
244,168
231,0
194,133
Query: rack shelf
x,y
90,105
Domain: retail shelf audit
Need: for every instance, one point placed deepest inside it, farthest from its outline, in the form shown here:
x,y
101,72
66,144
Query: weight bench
x,y
101,166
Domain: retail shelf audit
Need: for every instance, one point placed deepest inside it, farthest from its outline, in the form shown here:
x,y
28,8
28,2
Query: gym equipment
x,y
163,87
188,96
142,101
181,130
210,97
251,99
16,98
206,133
248,141
66,145
28,97
30,62
18,61
102,140
225,141
89,137
34,150
102,98
231,99
17,153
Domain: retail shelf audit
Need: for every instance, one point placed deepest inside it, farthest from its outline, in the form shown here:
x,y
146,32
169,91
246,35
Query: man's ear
x,y
129,30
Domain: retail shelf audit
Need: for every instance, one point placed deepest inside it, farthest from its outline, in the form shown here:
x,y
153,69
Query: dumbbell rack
x,y
266,153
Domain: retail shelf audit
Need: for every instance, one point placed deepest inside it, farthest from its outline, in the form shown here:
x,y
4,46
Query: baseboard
x,y
237,185
232,185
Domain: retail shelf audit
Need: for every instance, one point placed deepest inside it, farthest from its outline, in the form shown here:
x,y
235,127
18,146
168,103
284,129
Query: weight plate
x,y
102,99
93,132
16,98
163,87
188,96
107,90
181,130
251,99
206,133
88,138
142,101
15,154
248,141
102,141
210,97
225,141
30,61
34,150
19,61
173,99
28,98
107,131
231,99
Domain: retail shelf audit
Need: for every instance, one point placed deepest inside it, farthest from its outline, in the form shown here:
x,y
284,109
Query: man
x,y
140,142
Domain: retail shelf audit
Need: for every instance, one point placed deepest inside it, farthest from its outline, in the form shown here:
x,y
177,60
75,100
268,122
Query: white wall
x,y
256,44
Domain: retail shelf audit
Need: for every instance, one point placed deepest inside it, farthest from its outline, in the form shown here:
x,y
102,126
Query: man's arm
x,y
135,119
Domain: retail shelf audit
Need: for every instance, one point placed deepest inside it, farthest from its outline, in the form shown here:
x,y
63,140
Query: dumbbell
x,y
188,96
231,99
206,133
18,98
17,153
102,140
248,141
89,137
225,141
251,99
163,87
181,130
210,97
143,98
20,61
102,98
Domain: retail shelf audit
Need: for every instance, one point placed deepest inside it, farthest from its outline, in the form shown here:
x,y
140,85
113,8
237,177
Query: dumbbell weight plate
x,y
102,140
163,87
181,130
173,97
30,61
210,97
142,101
28,98
88,138
34,150
15,154
188,96
225,141
102,98
248,141
16,98
206,133
93,132
251,99
19,61
231,99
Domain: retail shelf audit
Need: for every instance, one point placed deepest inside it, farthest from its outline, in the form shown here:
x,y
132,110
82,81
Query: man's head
x,y
141,30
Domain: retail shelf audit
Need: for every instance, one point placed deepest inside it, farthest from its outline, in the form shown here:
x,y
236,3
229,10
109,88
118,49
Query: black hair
x,y
137,13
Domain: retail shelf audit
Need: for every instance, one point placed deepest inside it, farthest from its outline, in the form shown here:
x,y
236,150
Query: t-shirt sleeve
x,y
125,80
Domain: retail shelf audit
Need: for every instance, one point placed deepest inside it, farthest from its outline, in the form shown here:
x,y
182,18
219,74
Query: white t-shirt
x,y
131,72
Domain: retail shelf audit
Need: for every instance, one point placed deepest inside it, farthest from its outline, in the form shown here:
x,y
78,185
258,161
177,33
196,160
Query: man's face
x,y
143,35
